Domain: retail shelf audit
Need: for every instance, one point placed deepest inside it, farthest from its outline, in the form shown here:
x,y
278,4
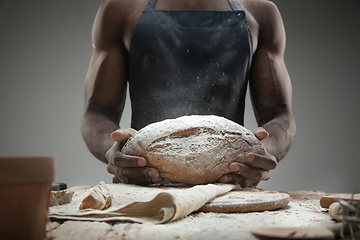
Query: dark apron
x,y
189,62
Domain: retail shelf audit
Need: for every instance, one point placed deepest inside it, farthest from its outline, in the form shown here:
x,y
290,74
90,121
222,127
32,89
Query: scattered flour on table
x,y
233,225
211,226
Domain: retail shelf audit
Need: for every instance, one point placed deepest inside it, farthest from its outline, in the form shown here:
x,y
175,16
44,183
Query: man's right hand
x,y
129,169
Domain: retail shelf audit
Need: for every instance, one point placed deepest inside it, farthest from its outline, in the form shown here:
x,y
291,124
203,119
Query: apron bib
x,y
188,62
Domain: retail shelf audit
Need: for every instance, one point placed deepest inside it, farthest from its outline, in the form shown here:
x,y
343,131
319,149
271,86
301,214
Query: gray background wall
x,y
45,48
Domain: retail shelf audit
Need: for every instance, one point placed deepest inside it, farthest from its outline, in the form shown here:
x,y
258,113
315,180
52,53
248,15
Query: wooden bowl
x,y
25,185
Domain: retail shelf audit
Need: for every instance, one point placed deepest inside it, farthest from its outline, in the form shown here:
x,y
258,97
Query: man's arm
x,y
270,86
105,83
271,93
105,94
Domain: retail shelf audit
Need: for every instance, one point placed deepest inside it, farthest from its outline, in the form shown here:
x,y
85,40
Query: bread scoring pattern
x,y
194,149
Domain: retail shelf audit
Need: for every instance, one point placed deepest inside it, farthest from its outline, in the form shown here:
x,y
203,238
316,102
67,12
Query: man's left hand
x,y
255,169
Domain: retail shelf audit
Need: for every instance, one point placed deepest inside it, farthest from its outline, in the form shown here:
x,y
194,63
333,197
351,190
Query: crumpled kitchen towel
x,y
141,204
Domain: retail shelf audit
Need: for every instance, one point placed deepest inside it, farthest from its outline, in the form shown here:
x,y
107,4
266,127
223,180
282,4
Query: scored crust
x,y
193,149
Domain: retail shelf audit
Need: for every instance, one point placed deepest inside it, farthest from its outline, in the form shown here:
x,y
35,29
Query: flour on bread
x,y
193,149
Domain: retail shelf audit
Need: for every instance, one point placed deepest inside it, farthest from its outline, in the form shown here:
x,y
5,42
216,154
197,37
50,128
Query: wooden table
x,y
304,210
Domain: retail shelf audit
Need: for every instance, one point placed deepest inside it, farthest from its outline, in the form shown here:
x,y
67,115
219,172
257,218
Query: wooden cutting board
x,y
326,201
247,201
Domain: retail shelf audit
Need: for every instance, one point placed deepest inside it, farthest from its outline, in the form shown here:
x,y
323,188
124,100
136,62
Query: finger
x,y
260,133
266,162
143,176
122,135
249,172
117,158
236,179
138,175
125,161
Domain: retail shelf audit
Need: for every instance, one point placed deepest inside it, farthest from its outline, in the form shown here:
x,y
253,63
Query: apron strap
x,y
150,5
234,5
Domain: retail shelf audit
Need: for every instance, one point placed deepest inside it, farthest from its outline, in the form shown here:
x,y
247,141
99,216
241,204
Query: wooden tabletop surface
x,y
304,210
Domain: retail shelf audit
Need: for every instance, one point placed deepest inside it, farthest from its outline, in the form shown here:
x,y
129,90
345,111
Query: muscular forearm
x,y
281,135
96,130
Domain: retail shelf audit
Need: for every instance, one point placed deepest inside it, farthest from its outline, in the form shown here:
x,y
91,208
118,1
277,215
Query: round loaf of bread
x,y
193,149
